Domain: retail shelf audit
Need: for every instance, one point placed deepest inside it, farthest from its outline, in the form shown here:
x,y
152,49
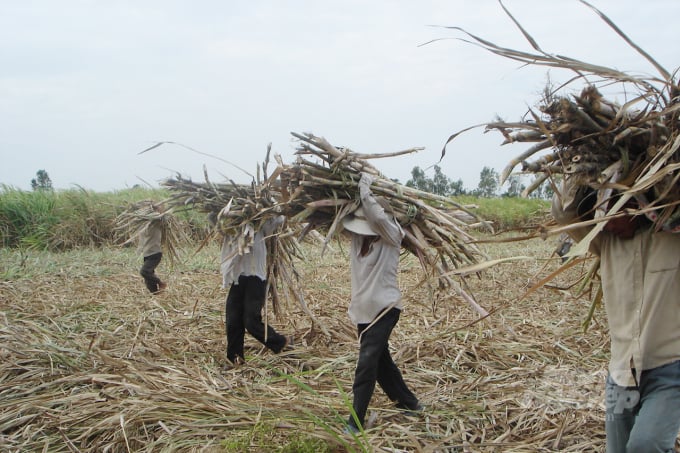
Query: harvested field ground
x,y
90,361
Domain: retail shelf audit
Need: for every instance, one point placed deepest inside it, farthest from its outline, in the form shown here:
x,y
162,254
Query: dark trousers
x,y
244,312
375,364
148,271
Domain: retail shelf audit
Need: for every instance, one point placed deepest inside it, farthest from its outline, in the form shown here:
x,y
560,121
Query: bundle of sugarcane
x,y
321,188
621,151
629,150
132,222
602,145
588,135
236,212
229,206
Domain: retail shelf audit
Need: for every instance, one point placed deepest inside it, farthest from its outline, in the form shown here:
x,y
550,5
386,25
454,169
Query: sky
x,y
86,85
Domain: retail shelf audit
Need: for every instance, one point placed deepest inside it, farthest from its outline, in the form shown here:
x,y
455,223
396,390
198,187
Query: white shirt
x,y
374,276
253,259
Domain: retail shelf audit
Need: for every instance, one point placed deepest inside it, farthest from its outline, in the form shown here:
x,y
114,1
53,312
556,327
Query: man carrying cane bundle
x,y
245,275
150,240
376,302
640,270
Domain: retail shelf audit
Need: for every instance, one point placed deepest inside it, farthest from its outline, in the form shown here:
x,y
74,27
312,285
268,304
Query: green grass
x,y
64,220
508,212
262,437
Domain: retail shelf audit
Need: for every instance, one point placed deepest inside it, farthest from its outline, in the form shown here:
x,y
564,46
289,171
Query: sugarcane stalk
x,y
518,159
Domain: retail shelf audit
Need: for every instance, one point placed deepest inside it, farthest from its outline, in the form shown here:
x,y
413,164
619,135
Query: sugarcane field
x,y
93,362
503,330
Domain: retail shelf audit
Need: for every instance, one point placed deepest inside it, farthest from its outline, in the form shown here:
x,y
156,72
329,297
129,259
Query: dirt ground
x,y
93,362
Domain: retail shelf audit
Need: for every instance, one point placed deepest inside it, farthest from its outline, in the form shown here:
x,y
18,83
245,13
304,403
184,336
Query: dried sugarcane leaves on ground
x,y
92,362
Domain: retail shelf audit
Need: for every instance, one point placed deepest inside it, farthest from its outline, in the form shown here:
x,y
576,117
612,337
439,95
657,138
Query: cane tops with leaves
x,y
132,222
322,185
236,211
629,149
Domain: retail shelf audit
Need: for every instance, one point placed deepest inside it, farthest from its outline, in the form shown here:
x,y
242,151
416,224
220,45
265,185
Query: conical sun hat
x,y
356,223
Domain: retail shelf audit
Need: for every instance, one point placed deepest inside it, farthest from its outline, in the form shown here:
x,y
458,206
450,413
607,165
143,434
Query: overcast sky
x,y
85,85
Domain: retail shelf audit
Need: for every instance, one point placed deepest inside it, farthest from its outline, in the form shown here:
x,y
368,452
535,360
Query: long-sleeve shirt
x,y
641,289
150,238
374,276
253,261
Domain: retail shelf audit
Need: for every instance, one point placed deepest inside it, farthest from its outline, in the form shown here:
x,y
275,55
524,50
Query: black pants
x,y
375,364
148,271
244,312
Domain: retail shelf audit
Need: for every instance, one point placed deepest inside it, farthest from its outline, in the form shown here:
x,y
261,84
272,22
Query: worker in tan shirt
x,y
150,246
640,271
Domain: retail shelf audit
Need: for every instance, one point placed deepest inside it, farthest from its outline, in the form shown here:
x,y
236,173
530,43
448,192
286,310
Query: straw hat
x,y
356,223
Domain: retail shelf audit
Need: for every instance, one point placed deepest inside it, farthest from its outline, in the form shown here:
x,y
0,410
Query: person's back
x,y
244,273
374,263
641,285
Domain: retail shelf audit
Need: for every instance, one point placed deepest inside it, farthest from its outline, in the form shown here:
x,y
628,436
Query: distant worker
x,y
150,240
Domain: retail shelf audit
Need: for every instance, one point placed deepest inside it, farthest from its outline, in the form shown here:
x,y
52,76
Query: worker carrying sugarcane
x,y
375,304
640,272
150,239
244,272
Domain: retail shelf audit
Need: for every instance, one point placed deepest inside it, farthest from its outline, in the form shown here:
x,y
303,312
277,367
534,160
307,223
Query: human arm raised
x,y
381,221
